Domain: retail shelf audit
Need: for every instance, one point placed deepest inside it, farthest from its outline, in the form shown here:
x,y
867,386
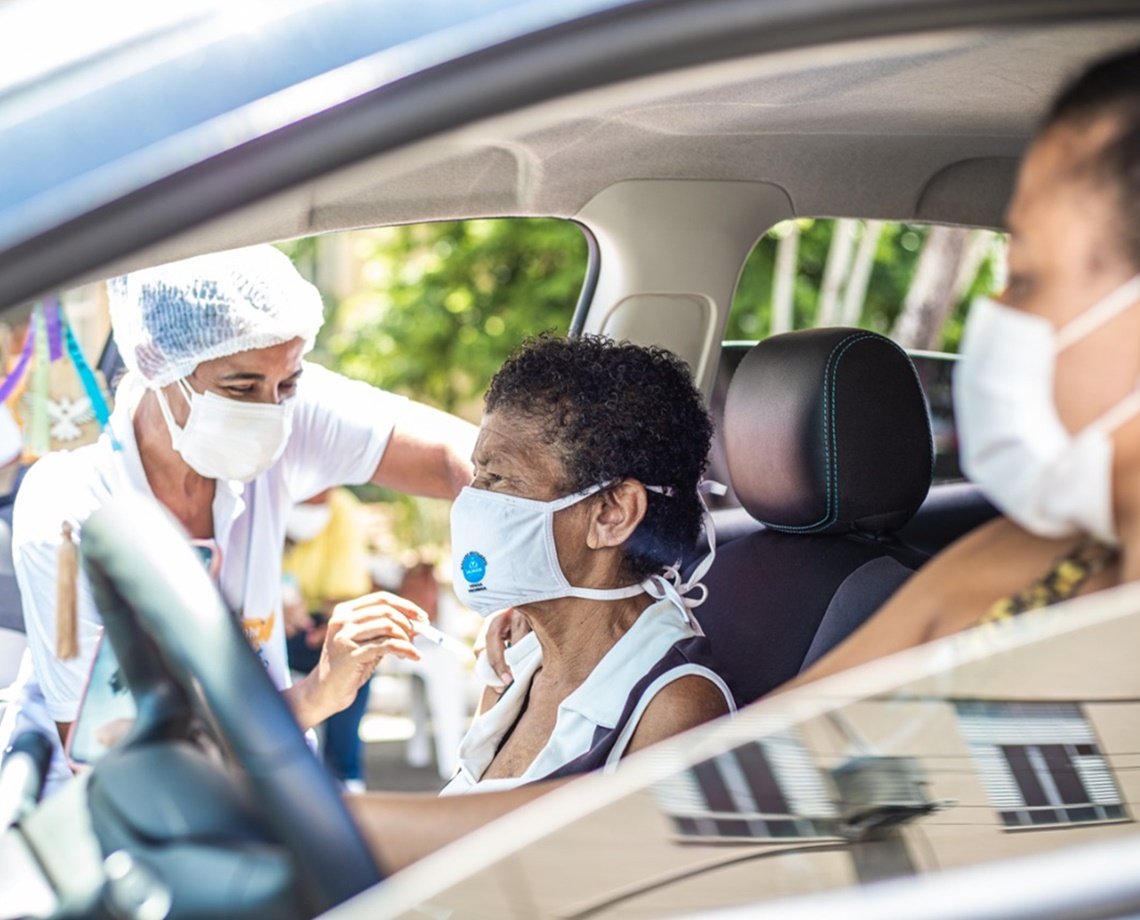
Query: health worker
x,y
222,422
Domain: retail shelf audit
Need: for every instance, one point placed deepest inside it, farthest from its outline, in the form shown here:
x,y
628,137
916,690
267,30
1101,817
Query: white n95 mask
x,y
1012,442
227,438
503,552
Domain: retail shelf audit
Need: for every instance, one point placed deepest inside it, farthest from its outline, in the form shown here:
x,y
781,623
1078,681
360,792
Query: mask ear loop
x,y
1122,412
172,426
1120,300
669,584
1099,313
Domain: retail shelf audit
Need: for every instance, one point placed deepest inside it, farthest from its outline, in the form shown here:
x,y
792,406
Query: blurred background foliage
x,y
432,310
437,308
895,260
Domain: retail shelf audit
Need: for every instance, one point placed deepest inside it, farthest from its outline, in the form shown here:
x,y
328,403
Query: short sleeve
x,y
341,429
36,539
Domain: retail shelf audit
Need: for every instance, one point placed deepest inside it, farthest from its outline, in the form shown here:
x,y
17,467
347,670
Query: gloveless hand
x,y
360,632
505,629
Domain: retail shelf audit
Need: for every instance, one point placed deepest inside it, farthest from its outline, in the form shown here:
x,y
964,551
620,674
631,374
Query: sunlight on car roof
x,y
153,90
34,43
37,45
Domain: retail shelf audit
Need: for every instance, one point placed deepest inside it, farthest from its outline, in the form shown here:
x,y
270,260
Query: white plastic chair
x,y
438,703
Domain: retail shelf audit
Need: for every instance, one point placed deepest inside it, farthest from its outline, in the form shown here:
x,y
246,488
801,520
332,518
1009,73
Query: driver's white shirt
x,y
340,430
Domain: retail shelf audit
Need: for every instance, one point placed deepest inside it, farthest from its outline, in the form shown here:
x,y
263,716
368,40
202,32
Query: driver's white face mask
x,y
1012,442
227,438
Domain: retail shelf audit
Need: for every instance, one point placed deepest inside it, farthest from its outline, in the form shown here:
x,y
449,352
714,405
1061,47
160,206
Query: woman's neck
x,y
186,494
575,633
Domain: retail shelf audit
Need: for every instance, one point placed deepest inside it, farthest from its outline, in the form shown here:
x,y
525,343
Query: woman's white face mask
x,y
1012,441
227,438
504,553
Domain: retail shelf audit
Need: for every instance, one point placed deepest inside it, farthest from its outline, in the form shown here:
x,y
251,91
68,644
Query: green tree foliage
x,y
895,260
435,311
442,305
988,281
438,307
896,257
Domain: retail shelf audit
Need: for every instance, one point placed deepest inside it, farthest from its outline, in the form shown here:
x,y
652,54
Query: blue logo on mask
x,y
474,567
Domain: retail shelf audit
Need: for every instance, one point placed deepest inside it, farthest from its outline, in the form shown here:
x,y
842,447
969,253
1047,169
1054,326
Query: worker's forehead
x,y
282,360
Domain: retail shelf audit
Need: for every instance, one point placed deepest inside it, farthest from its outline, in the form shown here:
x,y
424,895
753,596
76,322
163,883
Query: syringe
x,y
442,639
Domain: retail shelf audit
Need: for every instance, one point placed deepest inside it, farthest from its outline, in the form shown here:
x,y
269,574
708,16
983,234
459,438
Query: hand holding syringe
x,y
359,634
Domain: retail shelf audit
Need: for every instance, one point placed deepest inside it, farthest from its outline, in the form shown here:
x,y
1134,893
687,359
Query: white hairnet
x,y
169,319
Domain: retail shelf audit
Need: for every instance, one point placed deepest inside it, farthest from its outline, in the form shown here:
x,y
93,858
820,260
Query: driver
x,y
220,421
1046,390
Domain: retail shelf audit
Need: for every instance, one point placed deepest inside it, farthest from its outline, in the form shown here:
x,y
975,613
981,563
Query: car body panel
x,y
218,77
618,845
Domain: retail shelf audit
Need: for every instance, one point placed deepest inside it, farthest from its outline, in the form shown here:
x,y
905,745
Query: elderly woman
x,y
588,467
1046,392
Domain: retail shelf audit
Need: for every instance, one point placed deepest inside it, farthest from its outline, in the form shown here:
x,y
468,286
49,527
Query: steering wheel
x,y
152,591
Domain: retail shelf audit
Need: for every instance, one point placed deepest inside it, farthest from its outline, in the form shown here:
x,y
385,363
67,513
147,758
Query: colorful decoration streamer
x,y
39,427
13,379
48,334
53,313
87,378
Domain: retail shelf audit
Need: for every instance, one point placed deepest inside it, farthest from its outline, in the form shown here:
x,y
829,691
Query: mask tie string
x,y
670,584
1099,313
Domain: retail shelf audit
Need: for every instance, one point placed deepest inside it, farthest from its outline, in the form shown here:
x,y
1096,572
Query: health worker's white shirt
x,y
340,430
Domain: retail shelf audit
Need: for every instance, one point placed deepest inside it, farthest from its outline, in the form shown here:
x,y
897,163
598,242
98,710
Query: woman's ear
x,y
615,514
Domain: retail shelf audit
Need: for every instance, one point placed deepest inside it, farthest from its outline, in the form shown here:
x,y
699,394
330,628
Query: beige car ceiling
x,y
679,174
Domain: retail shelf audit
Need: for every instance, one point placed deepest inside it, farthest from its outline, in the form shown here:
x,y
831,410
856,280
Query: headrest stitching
x,y
830,376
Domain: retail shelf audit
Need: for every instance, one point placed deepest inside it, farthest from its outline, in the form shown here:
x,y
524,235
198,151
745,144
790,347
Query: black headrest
x,y
826,431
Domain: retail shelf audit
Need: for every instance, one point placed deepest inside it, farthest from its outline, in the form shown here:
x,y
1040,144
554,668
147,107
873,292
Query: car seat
x,y
828,446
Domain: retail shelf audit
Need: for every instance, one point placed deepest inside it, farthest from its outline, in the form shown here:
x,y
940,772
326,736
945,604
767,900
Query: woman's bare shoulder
x,y
680,705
